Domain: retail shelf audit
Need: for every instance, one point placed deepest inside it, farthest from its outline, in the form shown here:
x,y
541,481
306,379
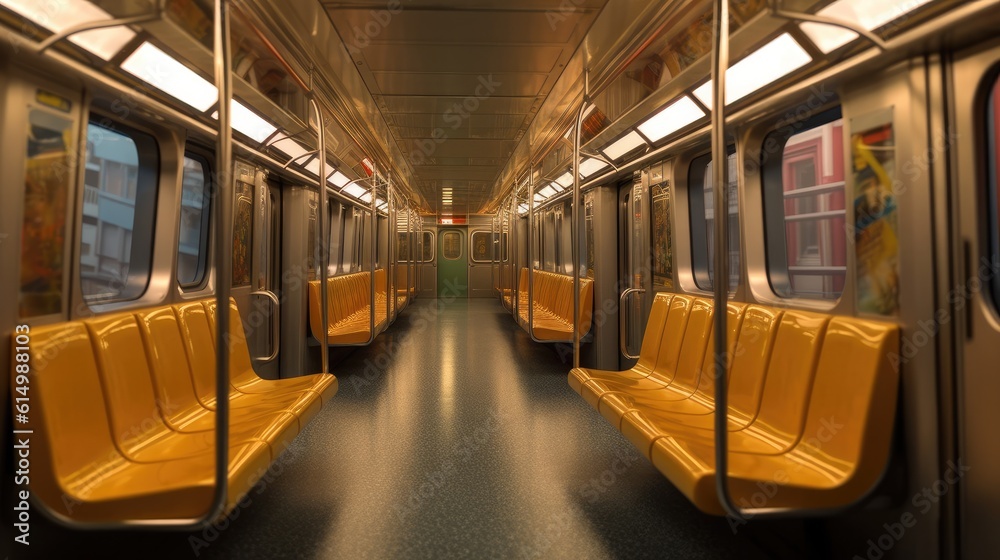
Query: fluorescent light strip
x,y
290,148
522,209
547,192
312,166
355,190
590,166
249,123
556,186
674,117
162,71
58,16
626,144
566,179
339,179
773,61
864,13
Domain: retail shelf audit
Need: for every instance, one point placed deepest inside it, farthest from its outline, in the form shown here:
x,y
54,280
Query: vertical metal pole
x,y
720,167
374,251
324,227
531,247
223,252
575,231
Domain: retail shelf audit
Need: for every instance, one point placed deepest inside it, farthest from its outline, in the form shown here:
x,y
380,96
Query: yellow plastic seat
x,y
348,307
175,393
783,367
552,313
78,470
199,339
243,377
844,443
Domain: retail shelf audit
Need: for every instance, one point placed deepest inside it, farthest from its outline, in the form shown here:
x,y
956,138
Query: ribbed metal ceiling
x,y
459,81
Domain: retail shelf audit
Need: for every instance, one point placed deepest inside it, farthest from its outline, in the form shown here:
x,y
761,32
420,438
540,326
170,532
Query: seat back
x,y
852,402
672,338
654,330
68,414
199,346
750,360
168,362
128,387
705,393
790,376
693,348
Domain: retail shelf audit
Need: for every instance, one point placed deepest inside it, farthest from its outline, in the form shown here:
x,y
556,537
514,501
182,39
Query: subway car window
x,y
120,185
804,208
192,245
428,247
993,190
702,202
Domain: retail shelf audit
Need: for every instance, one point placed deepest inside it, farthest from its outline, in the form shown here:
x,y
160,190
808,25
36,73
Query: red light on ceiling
x,y
369,166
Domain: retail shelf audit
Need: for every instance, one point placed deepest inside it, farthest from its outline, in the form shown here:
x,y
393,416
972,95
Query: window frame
x,y
431,244
472,238
772,166
990,214
148,149
197,153
697,171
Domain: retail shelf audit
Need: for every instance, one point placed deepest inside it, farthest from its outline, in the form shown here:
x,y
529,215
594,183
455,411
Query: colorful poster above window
x,y
242,231
876,242
663,256
49,168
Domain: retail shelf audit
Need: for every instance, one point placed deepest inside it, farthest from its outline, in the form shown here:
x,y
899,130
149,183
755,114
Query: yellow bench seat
x,y
791,375
125,422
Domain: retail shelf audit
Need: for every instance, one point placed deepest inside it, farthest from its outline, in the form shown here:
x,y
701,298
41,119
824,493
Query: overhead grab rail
x,y
52,40
779,12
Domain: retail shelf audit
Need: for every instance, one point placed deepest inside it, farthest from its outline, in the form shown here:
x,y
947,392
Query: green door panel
x,y
453,263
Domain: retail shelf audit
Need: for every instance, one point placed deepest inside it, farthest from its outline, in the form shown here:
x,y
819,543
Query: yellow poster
x,y
876,241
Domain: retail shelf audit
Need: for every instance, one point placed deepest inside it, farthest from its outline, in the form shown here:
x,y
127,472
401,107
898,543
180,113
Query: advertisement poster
x,y
242,231
876,242
46,183
663,261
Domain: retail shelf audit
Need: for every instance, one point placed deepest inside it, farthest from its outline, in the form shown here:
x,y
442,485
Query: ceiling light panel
x,y
626,144
590,166
863,13
164,72
773,61
64,14
672,118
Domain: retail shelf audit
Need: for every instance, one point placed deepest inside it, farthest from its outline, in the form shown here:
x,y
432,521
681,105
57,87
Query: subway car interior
x,y
439,278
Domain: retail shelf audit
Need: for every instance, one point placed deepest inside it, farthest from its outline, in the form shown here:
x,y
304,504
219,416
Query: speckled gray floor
x,y
453,436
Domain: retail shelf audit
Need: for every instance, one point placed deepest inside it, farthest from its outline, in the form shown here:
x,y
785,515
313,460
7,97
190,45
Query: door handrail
x,y
622,327
275,326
